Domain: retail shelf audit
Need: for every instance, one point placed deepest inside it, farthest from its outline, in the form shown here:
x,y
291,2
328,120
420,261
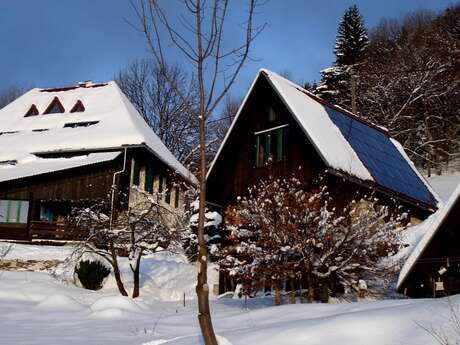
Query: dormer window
x,y
55,107
33,111
78,107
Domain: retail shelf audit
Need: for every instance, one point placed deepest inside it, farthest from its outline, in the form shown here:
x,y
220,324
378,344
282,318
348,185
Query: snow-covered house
x,y
282,129
67,145
433,267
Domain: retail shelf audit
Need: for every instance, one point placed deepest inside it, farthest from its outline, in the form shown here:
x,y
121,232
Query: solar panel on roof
x,y
380,156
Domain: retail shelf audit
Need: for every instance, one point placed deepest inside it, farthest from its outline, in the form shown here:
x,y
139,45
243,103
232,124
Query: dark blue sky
x,y
57,42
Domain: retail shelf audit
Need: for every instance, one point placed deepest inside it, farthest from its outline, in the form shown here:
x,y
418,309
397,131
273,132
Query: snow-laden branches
x,y
145,226
283,231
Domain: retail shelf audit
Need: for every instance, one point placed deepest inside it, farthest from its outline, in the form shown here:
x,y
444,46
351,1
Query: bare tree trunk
x,y
292,293
310,293
136,273
202,288
116,270
278,297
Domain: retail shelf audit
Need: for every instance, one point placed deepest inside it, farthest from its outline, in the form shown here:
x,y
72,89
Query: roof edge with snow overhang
x,y
40,166
436,221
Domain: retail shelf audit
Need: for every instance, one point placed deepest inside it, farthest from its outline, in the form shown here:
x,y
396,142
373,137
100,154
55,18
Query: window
x,y
55,107
271,115
46,214
136,173
80,124
33,111
78,107
14,211
148,183
269,145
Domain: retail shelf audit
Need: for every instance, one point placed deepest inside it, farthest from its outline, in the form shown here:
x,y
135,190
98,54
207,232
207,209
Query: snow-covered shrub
x,y
212,233
91,274
283,232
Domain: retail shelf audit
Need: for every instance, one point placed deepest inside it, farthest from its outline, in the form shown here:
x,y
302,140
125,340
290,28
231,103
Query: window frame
x,y
271,140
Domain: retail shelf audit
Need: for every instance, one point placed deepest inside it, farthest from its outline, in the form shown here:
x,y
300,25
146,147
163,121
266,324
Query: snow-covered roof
x,y
325,125
109,121
36,166
432,225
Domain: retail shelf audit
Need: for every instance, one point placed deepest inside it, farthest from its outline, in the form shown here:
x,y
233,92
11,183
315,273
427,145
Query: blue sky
x,y
60,42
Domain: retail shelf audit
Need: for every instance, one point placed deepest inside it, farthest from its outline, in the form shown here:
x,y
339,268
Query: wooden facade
x,y
50,196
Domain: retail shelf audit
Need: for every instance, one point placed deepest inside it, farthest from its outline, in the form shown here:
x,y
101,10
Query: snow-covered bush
x,y
283,232
91,274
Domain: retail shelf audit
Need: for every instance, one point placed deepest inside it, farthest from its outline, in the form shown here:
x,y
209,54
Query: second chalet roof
x,y
433,225
90,118
349,144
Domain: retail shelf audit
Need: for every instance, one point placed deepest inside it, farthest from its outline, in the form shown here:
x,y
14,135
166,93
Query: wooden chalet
x,y
68,146
281,129
433,267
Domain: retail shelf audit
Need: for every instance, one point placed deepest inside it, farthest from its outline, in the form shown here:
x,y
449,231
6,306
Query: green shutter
x,y
267,147
18,212
148,184
8,208
279,144
256,150
176,200
168,192
136,173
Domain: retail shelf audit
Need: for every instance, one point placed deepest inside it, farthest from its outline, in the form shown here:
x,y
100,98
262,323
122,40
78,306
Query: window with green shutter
x,y
148,184
269,145
136,172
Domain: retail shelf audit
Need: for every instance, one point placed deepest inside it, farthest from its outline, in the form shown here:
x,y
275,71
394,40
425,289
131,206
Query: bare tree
x,y
162,107
146,226
9,94
196,30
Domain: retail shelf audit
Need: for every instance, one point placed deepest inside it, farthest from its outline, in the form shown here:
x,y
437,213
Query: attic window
x,y
9,162
55,107
33,111
78,107
10,132
80,124
269,145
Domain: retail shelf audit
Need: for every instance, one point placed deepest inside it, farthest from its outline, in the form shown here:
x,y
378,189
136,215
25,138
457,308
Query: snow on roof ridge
x,y
341,110
435,221
150,139
348,161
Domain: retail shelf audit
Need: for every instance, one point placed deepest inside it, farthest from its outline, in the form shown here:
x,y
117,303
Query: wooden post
x,y
353,92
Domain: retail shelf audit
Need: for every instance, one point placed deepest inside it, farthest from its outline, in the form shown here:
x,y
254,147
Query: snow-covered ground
x,y
36,308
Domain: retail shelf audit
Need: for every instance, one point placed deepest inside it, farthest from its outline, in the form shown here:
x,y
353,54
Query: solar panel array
x,y
380,156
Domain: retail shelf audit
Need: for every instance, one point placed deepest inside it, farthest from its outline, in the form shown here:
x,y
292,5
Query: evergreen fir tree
x,y
351,39
351,43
